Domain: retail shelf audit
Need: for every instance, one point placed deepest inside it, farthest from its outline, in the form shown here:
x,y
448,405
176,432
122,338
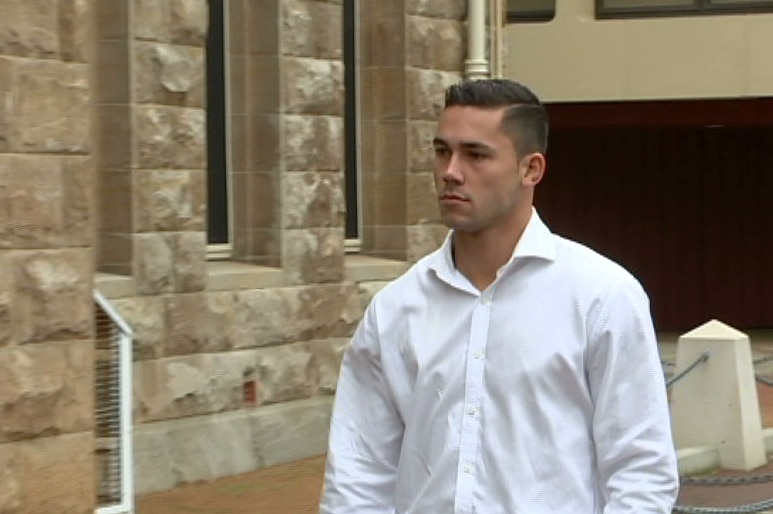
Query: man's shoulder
x,y
584,261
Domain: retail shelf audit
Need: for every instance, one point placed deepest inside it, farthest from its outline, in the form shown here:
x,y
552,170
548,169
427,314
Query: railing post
x,y
716,404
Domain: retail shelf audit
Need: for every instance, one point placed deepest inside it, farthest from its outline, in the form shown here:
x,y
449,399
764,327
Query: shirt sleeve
x,y
631,423
365,433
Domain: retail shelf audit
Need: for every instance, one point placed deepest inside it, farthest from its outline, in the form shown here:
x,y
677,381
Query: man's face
x,y
478,175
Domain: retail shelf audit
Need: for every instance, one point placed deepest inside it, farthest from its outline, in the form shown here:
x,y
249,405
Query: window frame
x,y
222,173
537,16
699,8
353,219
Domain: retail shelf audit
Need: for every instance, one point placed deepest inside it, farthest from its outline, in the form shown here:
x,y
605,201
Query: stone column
x,y
436,37
410,52
312,135
150,93
46,240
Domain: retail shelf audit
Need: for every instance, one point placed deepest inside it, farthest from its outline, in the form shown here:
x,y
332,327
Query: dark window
x,y
351,141
217,168
644,8
530,10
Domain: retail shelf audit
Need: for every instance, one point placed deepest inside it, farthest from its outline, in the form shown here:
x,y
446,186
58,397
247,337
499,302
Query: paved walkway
x,y
294,488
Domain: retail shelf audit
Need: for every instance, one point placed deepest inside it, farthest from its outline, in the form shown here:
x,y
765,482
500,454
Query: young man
x,y
511,371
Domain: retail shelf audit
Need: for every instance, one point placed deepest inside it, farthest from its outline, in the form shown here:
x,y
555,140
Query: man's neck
x,y
478,256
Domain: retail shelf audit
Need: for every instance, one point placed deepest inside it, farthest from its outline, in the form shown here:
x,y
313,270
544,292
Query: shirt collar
x,y
536,242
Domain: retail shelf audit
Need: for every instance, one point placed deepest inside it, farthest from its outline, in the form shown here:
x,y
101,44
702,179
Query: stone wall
x,y
46,240
236,361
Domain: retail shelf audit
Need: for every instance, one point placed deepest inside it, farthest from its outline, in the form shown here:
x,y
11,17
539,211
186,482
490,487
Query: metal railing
x,y
113,405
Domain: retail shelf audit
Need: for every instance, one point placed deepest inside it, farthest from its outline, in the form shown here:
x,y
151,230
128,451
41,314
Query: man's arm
x,y
631,424
366,432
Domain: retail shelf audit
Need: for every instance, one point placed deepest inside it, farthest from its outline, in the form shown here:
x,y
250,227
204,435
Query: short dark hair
x,y
525,121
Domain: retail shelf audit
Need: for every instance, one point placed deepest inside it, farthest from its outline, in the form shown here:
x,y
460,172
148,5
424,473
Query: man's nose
x,y
452,171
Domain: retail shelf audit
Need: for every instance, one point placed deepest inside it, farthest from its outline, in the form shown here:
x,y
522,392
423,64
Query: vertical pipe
x,y
476,66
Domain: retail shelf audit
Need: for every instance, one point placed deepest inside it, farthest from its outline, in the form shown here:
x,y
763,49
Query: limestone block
x,y
423,239
283,373
328,310
311,29
313,200
52,295
291,431
189,385
46,389
420,154
45,108
174,452
31,201
169,74
190,261
198,323
29,28
313,143
169,453
147,318
170,137
313,255
6,299
153,263
153,464
435,43
426,89
263,317
46,201
326,356
75,29
450,9
189,21
421,204
716,404
150,20
313,86
29,469
170,200
78,201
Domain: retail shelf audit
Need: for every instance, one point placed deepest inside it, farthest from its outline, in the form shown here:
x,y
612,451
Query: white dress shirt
x,y
543,393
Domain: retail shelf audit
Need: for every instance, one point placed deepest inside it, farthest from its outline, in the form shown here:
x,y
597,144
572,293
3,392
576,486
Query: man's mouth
x,y
453,197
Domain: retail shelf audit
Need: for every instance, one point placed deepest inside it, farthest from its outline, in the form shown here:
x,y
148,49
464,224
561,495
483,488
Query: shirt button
x,y
485,299
479,354
468,468
472,411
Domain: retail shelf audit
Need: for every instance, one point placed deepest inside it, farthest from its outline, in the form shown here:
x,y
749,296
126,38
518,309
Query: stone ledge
x,y
232,275
362,268
115,286
767,434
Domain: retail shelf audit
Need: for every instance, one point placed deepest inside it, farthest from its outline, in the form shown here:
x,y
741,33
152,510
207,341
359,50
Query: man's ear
x,y
532,169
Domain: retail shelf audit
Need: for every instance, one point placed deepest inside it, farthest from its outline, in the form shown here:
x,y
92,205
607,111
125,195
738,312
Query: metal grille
x,y
113,410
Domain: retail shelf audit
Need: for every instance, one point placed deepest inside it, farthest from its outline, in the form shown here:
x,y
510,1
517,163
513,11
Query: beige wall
x,y
575,57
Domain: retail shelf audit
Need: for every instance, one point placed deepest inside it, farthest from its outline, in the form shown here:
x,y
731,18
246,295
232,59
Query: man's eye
x,y
477,156
441,152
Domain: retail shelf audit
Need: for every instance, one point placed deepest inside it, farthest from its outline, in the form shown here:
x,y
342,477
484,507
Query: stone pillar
x,y
716,403
312,141
150,93
436,36
410,52
46,240
255,127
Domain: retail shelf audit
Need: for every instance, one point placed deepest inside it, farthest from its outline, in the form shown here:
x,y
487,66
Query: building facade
x,y
662,117
236,178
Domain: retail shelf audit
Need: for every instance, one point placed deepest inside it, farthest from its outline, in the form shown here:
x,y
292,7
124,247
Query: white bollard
x,y
716,403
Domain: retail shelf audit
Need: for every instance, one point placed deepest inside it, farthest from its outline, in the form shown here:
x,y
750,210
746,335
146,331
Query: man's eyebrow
x,y
467,145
